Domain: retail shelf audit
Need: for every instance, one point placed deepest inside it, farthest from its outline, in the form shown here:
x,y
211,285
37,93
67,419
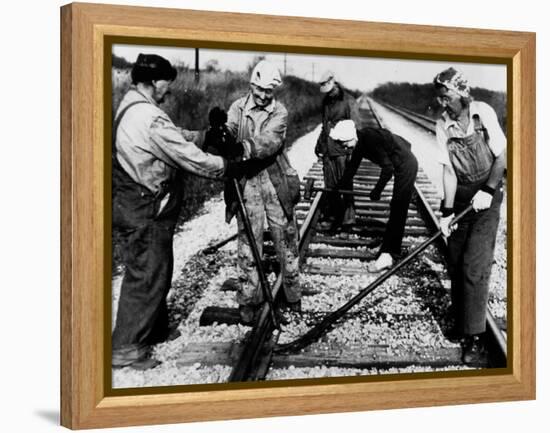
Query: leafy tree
x,y
212,66
120,62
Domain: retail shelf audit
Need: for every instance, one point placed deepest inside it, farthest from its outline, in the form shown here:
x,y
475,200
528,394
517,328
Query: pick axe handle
x,y
215,247
328,321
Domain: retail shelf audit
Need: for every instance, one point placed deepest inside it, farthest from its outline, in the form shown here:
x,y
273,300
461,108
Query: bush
x,y
303,102
120,63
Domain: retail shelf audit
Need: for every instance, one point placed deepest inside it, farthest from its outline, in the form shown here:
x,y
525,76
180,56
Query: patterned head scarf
x,y
453,80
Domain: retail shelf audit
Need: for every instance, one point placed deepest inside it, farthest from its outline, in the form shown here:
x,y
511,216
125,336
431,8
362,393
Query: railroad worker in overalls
x,y
393,154
338,104
149,151
473,154
270,188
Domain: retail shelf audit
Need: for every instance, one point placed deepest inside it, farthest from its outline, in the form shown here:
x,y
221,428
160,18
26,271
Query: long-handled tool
x,y
211,249
310,187
257,258
321,328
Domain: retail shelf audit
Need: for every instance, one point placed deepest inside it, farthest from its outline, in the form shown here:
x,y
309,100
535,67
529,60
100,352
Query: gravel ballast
x,y
394,310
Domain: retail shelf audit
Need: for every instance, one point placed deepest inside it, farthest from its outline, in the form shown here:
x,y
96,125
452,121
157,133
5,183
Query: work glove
x,y
482,200
236,169
444,225
375,195
219,140
217,117
235,149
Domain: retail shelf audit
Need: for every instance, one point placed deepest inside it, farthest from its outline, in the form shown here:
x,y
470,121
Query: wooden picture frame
x,y
84,268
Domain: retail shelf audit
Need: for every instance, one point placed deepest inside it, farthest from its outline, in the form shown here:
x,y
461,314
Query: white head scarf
x,y
344,130
326,83
266,75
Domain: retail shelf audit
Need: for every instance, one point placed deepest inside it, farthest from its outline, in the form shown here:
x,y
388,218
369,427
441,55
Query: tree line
x,y
421,98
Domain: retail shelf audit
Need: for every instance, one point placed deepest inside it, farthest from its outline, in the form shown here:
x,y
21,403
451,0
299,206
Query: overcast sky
x,y
361,73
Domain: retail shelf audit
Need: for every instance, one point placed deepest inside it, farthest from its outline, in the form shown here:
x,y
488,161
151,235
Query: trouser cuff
x,y
128,354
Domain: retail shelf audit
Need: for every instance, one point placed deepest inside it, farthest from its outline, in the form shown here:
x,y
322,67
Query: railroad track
x,y
423,121
400,324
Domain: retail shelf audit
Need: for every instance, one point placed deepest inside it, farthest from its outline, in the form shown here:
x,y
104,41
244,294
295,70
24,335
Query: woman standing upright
x,y
473,155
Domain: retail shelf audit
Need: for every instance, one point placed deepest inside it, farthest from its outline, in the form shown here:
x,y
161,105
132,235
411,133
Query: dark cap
x,y
151,67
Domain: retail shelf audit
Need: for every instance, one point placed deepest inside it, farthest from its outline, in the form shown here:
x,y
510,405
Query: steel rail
x,y
246,368
427,124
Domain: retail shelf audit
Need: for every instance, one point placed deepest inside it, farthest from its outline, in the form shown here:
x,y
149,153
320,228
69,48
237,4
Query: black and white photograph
x,y
282,216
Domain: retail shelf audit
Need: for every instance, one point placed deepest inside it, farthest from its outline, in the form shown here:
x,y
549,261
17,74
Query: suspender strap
x,y
479,126
116,123
117,168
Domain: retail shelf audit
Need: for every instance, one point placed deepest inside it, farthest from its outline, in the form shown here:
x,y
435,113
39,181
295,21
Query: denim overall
x,y
471,245
146,231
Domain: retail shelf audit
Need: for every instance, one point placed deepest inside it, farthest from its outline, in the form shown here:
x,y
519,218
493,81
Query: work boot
x,y
295,307
230,285
344,231
247,313
146,363
474,352
373,243
383,262
173,334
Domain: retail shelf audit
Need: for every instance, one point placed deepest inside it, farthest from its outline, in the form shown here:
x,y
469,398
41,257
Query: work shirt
x,y
378,146
341,106
262,130
150,147
447,128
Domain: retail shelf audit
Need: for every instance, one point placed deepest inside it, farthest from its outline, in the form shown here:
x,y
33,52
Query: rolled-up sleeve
x,y
497,139
196,137
233,116
272,136
169,145
441,143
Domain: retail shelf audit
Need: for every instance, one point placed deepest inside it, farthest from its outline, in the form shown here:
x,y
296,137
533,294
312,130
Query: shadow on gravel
x,y
425,283
195,276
